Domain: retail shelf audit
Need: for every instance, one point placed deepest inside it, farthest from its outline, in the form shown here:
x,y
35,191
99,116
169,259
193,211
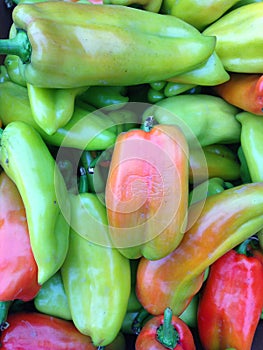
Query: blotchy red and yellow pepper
x,y
147,191
225,220
18,278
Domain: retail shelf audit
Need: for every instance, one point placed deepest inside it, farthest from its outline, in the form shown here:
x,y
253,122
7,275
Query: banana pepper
x,y
226,220
96,277
27,160
109,45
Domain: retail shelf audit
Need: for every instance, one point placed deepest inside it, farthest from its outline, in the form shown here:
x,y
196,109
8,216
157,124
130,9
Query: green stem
x,y
148,124
137,324
167,335
243,247
4,308
83,181
18,46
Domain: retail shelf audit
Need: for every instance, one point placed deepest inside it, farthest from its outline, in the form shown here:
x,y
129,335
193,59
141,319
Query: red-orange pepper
x,y
166,331
147,191
226,220
35,331
231,301
18,277
244,91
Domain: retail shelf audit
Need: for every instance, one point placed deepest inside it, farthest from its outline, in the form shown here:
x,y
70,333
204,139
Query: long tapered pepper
x,y
238,38
251,143
244,91
86,129
226,220
18,278
96,276
147,191
122,39
209,118
28,162
33,330
231,301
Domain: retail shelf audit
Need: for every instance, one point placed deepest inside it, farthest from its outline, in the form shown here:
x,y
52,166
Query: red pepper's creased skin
x,y
147,338
147,191
244,91
226,220
231,302
18,277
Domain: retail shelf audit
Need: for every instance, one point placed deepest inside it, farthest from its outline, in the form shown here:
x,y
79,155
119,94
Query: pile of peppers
x,y
131,175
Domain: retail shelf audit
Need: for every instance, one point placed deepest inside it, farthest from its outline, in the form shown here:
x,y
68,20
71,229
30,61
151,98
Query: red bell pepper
x,y
18,277
231,302
166,331
244,91
37,331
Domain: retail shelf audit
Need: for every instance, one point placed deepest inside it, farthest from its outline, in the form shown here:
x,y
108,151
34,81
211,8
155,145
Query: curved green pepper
x,y
96,277
210,118
85,130
52,299
173,89
122,39
28,162
252,143
239,39
12,64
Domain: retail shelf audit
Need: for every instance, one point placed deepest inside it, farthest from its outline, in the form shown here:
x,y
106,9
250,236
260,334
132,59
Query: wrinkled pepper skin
x,y
238,38
52,299
28,162
116,37
251,143
244,91
209,118
146,192
96,277
85,130
198,13
33,330
226,220
221,162
18,278
231,302
148,336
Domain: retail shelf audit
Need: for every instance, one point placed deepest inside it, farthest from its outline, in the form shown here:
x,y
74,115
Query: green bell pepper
x,y
27,160
52,299
122,39
96,277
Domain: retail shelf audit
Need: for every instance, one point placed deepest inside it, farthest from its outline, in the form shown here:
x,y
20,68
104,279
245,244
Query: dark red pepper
x,y
231,301
163,332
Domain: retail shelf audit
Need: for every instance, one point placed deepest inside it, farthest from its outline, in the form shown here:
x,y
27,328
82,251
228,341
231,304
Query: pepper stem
x,y
148,124
167,335
243,248
18,46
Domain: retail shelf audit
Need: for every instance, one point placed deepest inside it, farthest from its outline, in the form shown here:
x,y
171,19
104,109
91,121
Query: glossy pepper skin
x,y
231,302
225,220
238,38
244,91
165,332
33,330
208,118
116,37
52,299
146,192
251,143
221,161
147,5
198,13
27,160
85,130
18,278
96,277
